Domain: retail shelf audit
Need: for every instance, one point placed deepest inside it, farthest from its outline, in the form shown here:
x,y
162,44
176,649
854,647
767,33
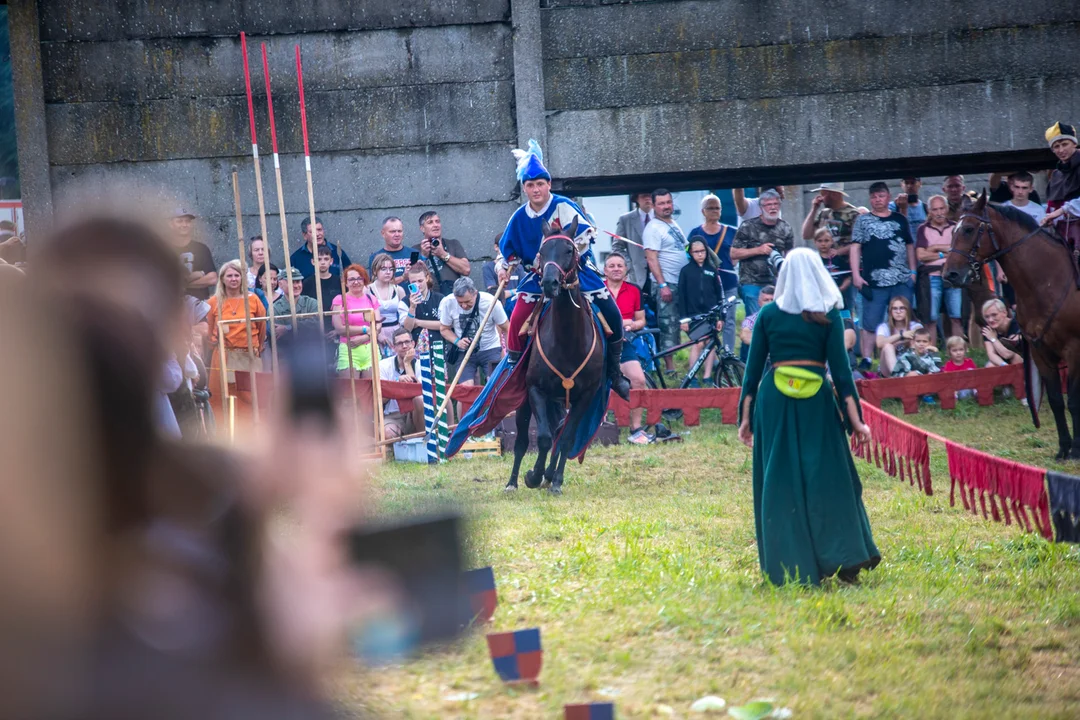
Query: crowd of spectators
x,y
886,260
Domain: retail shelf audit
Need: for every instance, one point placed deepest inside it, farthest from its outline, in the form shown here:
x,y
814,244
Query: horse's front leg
x,y
521,443
557,414
543,437
566,441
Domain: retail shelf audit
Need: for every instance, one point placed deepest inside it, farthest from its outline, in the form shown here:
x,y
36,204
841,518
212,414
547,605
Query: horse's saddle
x,y
531,324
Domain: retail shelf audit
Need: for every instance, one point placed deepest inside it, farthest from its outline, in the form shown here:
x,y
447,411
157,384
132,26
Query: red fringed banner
x,y
990,480
900,449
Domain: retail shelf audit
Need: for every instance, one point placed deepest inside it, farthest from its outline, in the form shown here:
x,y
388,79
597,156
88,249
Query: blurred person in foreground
x,y
191,605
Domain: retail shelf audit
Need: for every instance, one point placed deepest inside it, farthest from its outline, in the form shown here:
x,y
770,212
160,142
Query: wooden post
x,y
262,207
244,291
310,187
280,194
474,343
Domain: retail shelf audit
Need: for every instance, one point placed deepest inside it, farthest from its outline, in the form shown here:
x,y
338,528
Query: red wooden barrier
x,y
466,394
691,402
909,390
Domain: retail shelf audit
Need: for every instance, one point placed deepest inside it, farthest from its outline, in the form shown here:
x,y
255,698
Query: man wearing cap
x,y
522,239
195,256
306,256
1064,181
294,286
831,209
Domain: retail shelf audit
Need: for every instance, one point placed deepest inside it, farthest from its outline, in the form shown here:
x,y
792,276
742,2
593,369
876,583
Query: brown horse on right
x,y
1040,269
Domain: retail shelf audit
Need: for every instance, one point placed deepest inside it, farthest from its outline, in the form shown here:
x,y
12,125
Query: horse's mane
x,y
1016,215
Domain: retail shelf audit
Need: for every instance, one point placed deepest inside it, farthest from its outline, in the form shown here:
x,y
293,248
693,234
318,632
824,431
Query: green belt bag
x,y
797,382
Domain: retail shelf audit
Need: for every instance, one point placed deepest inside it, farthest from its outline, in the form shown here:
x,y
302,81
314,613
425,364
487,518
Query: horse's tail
x,y
1032,384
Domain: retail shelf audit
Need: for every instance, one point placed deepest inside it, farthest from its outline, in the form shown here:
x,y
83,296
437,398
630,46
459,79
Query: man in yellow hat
x,y
1064,180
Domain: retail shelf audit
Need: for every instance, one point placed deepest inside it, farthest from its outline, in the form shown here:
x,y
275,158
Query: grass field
x,y
645,583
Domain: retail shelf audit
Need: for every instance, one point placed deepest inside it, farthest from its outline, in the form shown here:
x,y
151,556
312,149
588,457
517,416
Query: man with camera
x,y
444,256
460,314
759,248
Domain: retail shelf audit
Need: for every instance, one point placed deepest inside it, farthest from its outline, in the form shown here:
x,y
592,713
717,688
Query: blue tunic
x,y
523,235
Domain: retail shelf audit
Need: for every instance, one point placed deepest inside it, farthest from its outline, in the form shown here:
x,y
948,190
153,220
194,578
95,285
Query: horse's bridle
x,y
567,279
972,255
976,263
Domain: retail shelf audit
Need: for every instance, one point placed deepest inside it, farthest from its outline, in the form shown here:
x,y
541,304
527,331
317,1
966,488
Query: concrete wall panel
x,y
810,68
379,118
213,67
685,25
809,129
138,19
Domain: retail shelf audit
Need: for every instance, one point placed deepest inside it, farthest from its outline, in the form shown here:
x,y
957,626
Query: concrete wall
x,y
688,85
415,104
410,106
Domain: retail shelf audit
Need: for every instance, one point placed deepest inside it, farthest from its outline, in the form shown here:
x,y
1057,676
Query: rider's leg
x,y
515,343
607,307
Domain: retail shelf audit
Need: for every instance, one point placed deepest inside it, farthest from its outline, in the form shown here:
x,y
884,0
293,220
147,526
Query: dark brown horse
x,y
1040,270
566,364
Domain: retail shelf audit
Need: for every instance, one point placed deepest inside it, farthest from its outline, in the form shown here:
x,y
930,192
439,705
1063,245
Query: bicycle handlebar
x,y
717,310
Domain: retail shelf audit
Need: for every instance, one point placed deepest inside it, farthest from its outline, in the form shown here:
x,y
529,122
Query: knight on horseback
x,y
521,240
1064,187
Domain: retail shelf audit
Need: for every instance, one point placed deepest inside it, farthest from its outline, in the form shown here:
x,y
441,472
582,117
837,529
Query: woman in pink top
x,y
355,348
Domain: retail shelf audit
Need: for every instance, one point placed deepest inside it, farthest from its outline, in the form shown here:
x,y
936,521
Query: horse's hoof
x,y
1063,454
510,487
531,480
555,489
546,483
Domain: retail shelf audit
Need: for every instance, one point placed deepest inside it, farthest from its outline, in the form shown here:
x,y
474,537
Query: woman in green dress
x,y
808,510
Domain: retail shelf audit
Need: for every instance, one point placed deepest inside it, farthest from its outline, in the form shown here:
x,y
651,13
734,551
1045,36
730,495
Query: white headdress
x,y
805,284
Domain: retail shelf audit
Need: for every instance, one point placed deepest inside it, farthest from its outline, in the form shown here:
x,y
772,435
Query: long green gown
x,y
808,507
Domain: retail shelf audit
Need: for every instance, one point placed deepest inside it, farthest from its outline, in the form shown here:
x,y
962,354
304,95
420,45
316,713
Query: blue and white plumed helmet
x,y
530,163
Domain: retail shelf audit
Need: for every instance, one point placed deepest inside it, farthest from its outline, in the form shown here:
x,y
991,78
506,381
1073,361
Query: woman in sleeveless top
x,y
388,295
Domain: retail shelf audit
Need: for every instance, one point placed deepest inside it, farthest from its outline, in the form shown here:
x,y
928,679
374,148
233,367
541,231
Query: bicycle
x,y
729,369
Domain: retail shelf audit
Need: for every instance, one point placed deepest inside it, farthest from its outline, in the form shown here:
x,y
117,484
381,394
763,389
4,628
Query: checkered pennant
x,y
480,584
517,656
589,711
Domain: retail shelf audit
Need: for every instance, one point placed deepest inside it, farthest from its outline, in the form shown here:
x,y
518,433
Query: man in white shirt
x,y
1021,183
665,251
632,226
401,367
750,208
459,317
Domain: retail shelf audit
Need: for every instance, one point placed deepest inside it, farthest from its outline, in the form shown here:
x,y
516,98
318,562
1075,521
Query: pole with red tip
x,y
262,207
376,392
280,193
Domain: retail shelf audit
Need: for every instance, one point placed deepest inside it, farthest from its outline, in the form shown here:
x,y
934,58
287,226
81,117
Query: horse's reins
x,y
976,263
567,382
563,274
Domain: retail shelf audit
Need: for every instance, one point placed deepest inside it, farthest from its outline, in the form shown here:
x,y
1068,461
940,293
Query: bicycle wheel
x,y
650,382
730,373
